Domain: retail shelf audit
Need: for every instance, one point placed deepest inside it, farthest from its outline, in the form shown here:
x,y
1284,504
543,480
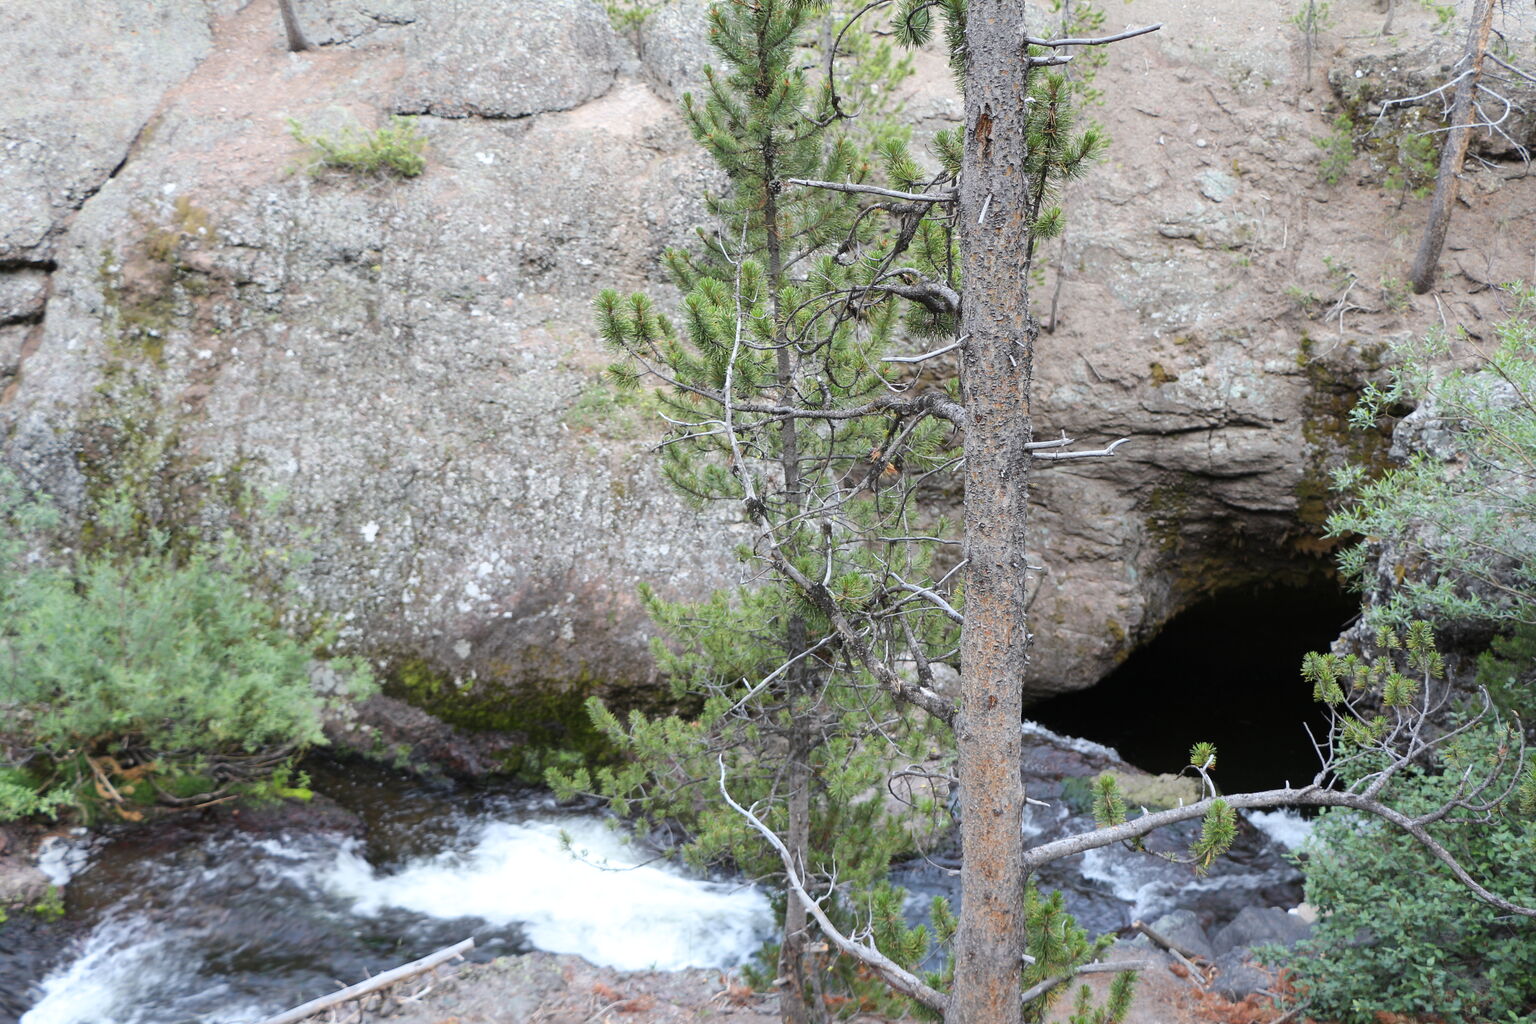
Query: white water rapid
x,y
241,927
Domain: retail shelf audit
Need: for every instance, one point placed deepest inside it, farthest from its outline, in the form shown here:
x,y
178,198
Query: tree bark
x,y
796,1004
995,378
296,40
1447,180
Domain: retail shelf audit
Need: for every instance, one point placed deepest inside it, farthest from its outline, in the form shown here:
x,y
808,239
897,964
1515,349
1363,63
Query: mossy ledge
x,y
544,724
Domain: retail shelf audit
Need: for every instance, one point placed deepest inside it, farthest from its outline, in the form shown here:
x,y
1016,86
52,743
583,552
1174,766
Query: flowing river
x,y
230,926
226,924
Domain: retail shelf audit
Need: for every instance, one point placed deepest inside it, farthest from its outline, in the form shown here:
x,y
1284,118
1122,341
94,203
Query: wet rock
x,y
21,883
1237,975
317,814
1257,926
390,730
1182,928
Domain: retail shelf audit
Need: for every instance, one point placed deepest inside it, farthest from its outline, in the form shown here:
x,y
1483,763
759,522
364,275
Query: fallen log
x,y
390,977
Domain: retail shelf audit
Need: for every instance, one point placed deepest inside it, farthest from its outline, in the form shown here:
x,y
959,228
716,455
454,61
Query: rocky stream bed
x,y
225,917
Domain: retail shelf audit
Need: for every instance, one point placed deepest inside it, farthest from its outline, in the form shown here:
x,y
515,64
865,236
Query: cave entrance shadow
x,y
1227,670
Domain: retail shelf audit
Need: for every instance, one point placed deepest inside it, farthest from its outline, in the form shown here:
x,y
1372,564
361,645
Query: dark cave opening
x,y
1226,670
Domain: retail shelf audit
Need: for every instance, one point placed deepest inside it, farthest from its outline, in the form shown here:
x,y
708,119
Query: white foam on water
x,y
1286,827
1132,881
129,971
592,899
63,857
1074,743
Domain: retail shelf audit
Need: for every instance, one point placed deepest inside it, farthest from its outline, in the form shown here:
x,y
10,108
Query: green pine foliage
x,y
771,378
143,676
792,302
1445,537
1398,932
1507,670
1450,540
1058,945
1108,803
670,766
1058,151
1217,831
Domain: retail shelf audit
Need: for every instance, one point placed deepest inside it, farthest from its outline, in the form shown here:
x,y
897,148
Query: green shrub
x,y
627,16
1397,932
396,149
1338,148
1507,670
1448,538
143,677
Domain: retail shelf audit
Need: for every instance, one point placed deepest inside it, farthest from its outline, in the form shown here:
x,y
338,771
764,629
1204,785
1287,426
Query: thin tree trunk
x,y
796,999
995,377
796,1005
296,40
1447,181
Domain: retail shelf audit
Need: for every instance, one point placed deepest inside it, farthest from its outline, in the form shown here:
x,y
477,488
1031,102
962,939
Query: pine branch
x,y
1099,453
946,196
892,973
856,643
1130,33
1036,991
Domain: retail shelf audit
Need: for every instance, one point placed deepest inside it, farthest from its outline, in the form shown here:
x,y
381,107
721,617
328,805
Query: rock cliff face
x,y
410,362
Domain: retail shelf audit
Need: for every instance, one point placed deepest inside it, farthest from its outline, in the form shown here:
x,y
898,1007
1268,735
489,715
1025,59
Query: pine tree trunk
x,y
1447,181
995,376
796,1005
296,40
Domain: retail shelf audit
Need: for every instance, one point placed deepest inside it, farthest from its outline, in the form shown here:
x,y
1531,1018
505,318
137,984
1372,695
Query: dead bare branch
x,y
1307,796
1130,33
946,196
1036,991
894,974
1096,454
374,984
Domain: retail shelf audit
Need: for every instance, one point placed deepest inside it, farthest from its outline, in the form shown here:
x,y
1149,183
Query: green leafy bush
x,y
1448,535
1507,670
143,677
396,149
1397,932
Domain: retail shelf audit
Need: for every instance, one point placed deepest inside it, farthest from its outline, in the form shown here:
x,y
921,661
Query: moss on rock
x,y
545,725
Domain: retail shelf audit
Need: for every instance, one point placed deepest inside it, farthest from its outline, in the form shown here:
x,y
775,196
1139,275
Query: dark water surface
x,y
1227,671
